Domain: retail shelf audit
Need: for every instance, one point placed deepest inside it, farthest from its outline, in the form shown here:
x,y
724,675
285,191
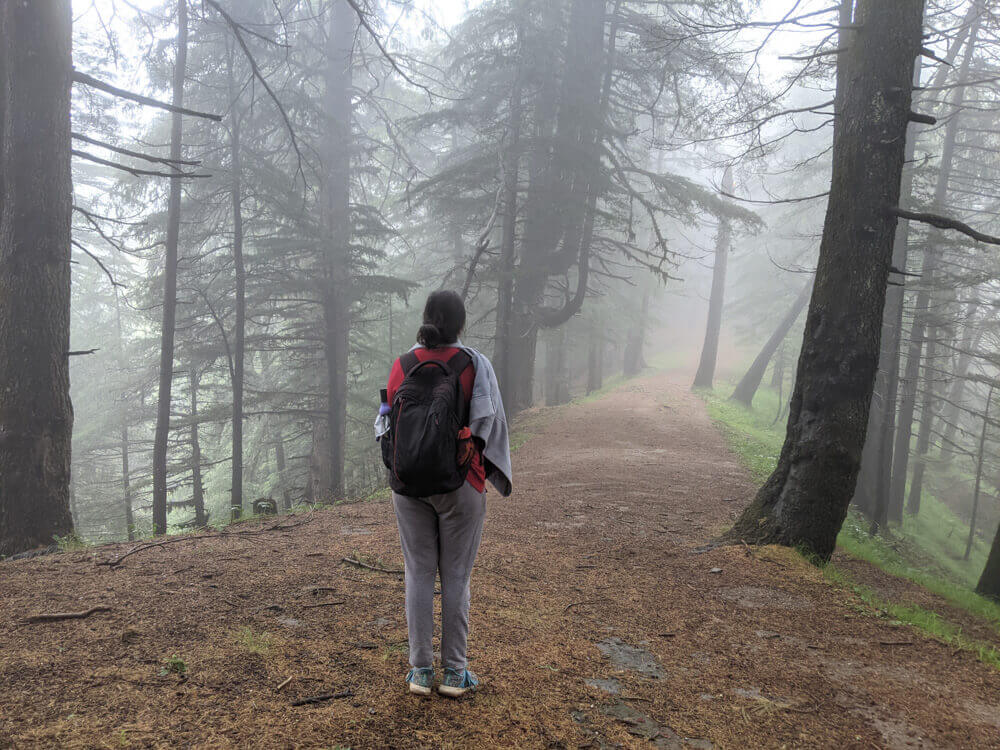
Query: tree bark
x,y
989,581
876,460
508,250
197,487
746,389
169,323
239,271
636,340
805,501
36,415
979,473
336,205
710,350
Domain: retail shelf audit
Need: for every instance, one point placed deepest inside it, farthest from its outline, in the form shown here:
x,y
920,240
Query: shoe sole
x,y
452,692
419,689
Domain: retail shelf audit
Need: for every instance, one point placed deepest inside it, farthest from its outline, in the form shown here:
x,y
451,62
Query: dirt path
x,y
595,623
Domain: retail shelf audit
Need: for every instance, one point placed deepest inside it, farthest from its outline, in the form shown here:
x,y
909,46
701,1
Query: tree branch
x,y
94,83
944,222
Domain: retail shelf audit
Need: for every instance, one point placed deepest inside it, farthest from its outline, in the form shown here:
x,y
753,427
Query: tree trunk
x,y
197,488
279,460
336,204
710,350
989,581
168,326
971,337
595,358
124,443
36,416
933,258
876,460
508,250
634,360
556,378
979,473
746,389
805,500
239,270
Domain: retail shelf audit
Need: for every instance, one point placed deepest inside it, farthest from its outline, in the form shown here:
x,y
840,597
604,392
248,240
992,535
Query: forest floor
x,y
597,621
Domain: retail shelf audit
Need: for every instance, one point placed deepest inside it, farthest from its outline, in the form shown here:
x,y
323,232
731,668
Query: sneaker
x,y
421,680
457,682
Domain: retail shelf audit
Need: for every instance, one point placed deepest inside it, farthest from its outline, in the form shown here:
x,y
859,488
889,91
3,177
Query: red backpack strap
x,y
408,361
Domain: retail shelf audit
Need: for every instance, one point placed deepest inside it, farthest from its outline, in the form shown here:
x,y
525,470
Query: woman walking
x,y
445,436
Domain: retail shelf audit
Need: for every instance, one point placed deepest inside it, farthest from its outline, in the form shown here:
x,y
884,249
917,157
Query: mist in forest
x,y
219,222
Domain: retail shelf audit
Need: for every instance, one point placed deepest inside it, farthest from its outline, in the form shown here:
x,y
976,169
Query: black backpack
x,y
422,448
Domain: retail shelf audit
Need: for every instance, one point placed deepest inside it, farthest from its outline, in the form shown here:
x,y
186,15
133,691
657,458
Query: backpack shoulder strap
x,y
459,362
408,361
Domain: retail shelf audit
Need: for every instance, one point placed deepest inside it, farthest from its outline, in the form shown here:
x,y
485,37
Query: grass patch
x,y
253,642
919,618
927,549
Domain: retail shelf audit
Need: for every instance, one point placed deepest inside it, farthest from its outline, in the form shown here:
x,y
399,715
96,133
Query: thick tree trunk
x,y
197,486
36,416
746,389
705,375
989,581
805,500
239,271
169,323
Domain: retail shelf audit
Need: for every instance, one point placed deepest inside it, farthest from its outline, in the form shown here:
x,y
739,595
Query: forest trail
x,y
595,622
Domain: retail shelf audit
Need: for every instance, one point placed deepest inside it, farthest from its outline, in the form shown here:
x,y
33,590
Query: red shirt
x,y
477,470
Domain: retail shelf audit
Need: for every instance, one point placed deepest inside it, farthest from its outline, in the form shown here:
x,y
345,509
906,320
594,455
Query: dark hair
x,y
444,319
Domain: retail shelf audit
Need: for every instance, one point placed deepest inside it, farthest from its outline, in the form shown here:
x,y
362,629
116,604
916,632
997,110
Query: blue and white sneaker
x,y
457,682
421,680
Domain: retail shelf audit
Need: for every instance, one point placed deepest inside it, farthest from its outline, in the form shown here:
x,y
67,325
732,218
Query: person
x,y
441,532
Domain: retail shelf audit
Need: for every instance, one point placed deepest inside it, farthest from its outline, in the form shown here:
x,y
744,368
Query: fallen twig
x,y
322,604
366,566
284,684
56,616
324,697
116,561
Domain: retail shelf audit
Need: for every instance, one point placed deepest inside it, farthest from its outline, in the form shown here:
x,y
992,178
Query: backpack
x,y
429,410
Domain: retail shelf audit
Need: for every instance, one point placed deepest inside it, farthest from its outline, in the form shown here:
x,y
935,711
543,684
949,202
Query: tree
x,y
806,498
746,389
167,329
706,367
35,215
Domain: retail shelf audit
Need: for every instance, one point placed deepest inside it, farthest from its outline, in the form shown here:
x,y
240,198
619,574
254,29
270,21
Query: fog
x,y
784,211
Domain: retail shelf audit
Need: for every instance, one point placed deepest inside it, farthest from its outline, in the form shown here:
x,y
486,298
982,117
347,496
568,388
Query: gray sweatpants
x,y
439,533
